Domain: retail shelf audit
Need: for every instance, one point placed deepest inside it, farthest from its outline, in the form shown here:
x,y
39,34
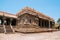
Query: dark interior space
x,y
14,22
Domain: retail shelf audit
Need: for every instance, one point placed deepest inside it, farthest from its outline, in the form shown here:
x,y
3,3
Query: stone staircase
x,y
8,29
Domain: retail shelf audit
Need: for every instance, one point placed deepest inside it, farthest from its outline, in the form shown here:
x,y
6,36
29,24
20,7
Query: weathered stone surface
x,y
34,36
27,20
1,29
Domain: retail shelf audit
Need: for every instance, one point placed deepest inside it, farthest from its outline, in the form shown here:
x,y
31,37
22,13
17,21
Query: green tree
x,y
58,21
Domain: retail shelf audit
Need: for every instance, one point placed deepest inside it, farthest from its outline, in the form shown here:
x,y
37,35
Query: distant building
x,y
26,18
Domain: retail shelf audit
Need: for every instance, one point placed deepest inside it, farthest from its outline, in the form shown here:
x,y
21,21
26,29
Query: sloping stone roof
x,y
27,10
39,14
7,14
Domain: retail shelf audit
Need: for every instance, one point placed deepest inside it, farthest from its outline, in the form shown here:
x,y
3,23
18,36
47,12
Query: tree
x,y
58,21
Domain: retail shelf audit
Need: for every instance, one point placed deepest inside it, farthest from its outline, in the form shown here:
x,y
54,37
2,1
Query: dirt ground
x,y
35,36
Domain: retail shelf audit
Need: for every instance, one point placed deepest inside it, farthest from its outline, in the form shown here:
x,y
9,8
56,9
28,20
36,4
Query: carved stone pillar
x,y
44,23
49,23
11,25
41,23
4,22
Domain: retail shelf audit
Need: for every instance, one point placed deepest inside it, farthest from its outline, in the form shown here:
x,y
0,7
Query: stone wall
x,y
28,19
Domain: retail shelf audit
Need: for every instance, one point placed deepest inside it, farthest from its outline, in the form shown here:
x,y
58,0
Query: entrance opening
x,y
7,21
14,22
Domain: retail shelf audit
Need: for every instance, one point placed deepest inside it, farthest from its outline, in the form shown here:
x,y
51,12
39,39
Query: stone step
x,y
32,29
1,29
8,29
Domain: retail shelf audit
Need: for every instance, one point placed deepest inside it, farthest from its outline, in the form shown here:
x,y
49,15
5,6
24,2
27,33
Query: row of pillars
x,y
4,22
45,23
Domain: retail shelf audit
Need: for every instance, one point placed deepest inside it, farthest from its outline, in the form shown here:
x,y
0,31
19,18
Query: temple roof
x,y
7,14
27,10
40,15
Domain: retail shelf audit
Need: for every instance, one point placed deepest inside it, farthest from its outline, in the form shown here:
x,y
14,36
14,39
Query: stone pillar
x,y
4,21
41,23
0,21
53,24
49,23
11,25
44,23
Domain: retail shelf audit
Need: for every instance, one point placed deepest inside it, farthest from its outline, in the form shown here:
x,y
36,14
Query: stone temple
x,y
26,20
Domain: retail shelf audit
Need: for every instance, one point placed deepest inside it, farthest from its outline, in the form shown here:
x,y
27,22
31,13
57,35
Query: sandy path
x,y
36,36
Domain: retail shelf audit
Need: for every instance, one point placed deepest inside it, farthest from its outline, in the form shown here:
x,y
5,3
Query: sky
x,y
47,7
